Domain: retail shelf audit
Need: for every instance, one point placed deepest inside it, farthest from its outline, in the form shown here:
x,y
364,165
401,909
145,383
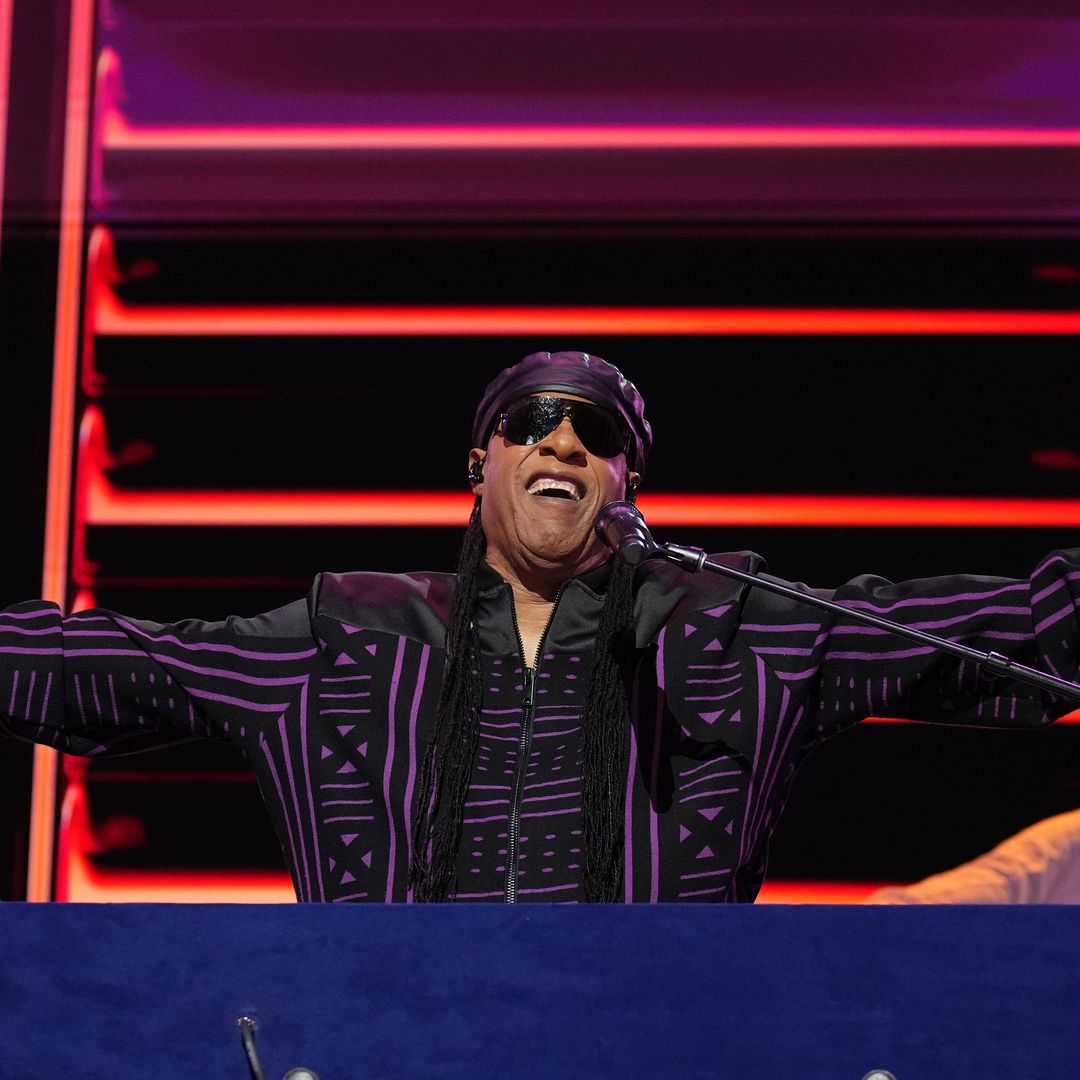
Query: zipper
x,y
514,830
528,705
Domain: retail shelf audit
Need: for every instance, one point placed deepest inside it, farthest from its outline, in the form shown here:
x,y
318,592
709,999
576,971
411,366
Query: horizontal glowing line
x,y
114,319
119,134
1068,718
88,885
80,881
815,892
859,510
108,506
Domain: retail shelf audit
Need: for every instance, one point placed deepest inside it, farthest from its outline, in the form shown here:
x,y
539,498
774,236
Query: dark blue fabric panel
x,y
125,991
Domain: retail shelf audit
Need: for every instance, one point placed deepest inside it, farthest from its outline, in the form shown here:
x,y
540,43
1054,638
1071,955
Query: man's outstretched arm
x,y
1040,865
96,681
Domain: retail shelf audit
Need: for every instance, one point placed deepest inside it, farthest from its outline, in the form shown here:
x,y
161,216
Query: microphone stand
x,y
632,541
247,1038
247,1027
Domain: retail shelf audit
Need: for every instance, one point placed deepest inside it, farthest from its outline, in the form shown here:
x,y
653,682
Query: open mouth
x,y
550,488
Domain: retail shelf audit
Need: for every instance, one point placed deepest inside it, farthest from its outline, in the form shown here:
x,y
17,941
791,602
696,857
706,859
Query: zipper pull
x,y
530,685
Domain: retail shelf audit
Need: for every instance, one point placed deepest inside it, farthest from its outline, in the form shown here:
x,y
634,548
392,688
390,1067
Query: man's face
x,y
541,502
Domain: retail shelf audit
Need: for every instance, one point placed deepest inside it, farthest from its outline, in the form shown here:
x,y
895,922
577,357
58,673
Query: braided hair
x,y
444,776
604,739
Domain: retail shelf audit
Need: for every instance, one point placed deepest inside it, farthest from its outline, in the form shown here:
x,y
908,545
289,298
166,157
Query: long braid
x,y
444,776
604,740
443,783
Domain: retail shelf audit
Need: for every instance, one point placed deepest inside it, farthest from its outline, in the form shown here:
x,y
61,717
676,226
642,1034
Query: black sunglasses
x,y
534,418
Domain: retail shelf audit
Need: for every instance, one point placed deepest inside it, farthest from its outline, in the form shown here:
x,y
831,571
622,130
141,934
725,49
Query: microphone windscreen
x,y
622,528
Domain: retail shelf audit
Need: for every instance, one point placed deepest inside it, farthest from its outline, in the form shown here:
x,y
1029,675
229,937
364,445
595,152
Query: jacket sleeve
x,y
845,671
1040,865
96,681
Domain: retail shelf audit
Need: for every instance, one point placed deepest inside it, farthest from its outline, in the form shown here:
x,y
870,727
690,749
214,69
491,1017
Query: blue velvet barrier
x,y
125,991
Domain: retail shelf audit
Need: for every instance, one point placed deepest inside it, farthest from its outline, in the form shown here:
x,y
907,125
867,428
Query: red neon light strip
x,y
86,884
99,503
119,134
859,510
108,316
114,319
6,8
108,506
79,881
62,419
815,892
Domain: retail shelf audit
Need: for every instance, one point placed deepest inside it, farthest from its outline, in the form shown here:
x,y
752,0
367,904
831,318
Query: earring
x,y
631,489
476,472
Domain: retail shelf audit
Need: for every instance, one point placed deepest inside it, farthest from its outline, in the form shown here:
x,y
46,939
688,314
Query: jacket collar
x,y
573,623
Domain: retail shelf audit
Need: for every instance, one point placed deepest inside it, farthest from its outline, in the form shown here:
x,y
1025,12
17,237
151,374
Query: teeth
x,y
547,483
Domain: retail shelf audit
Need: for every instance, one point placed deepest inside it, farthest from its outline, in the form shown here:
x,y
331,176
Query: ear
x,y
632,481
476,470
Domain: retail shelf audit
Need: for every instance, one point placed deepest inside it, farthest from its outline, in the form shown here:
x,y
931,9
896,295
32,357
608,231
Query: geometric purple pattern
x,y
331,700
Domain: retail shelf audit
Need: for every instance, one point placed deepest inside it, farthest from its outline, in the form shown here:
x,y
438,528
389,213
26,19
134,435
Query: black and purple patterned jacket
x,y
331,699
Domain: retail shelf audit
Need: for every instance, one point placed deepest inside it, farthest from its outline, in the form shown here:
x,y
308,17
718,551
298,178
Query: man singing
x,y
548,724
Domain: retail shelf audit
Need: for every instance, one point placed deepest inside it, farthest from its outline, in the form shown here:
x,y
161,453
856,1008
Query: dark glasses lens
x,y
534,418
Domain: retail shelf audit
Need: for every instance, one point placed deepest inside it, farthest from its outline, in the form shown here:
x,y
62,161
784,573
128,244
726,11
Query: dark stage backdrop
x,y
837,253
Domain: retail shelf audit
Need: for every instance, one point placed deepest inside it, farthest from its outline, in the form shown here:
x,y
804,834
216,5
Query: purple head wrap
x,y
568,373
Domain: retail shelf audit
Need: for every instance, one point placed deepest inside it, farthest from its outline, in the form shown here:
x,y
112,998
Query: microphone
x,y
623,529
